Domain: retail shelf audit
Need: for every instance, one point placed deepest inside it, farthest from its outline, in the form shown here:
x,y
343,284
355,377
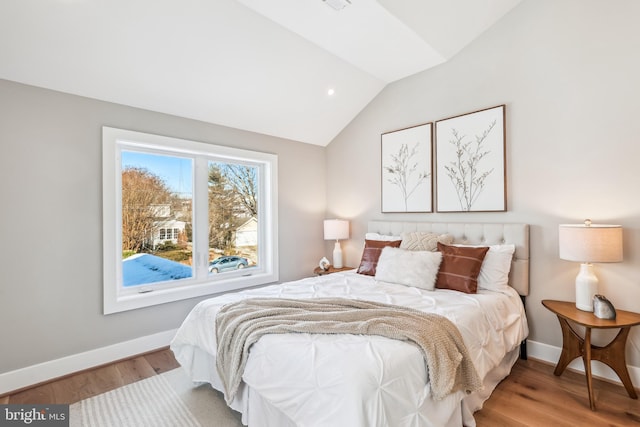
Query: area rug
x,y
169,399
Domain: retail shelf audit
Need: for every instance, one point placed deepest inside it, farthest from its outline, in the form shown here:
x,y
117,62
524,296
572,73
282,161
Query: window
x,y
184,219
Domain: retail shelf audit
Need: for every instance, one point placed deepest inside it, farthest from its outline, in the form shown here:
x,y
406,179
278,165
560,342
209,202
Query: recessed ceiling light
x,y
331,92
337,4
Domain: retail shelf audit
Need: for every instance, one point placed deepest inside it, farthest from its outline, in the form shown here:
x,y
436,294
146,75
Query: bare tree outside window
x,y
222,209
141,191
244,185
233,205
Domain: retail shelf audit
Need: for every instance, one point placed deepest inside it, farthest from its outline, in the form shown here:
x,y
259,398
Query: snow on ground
x,y
146,268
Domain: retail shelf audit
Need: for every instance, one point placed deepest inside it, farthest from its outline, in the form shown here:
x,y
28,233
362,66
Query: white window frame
x,y
116,297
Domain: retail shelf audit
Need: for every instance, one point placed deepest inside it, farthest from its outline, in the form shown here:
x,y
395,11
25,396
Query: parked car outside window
x,y
227,263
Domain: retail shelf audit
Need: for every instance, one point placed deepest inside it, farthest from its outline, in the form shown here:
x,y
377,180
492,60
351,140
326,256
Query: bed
x,y
303,379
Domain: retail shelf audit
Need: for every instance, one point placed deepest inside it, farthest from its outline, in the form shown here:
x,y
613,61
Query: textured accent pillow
x,y
409,268
460,267
424,240
494,274
371,253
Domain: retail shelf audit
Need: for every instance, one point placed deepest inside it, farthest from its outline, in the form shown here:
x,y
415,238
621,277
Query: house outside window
x,y
172,207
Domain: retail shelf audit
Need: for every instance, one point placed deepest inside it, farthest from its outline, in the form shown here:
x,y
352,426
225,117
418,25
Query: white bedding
x,y
353,380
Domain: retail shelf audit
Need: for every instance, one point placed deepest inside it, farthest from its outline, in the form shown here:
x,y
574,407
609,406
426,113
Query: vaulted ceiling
x,y
265,66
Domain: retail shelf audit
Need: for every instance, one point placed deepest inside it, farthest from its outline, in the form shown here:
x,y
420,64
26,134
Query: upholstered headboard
x,y
474,234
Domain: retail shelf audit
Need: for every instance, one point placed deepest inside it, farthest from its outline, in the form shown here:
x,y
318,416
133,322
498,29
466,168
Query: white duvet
x,y
353,380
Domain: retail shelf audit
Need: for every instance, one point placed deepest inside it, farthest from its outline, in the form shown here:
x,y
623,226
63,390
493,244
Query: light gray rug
x,y
169,399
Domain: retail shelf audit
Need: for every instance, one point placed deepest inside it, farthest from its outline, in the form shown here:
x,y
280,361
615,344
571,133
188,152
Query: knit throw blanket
x,y
240,324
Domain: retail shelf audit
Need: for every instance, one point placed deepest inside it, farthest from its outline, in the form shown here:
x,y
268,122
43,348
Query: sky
x,y
176,172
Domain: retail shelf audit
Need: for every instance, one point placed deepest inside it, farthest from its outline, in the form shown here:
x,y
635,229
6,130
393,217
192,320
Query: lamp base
x,y
586,287
337,255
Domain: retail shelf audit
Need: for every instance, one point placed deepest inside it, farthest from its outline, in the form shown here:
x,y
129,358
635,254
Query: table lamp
x,y
587,243
336,229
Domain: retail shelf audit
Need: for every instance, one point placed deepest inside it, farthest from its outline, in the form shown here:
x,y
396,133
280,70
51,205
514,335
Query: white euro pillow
x,y
494,273
409,268
381,237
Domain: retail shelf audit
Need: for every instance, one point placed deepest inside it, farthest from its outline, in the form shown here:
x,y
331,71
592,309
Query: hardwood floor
x,y
530,396
75,387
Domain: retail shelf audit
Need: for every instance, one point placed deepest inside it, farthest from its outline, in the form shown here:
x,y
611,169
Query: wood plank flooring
x,y
530,396
75,387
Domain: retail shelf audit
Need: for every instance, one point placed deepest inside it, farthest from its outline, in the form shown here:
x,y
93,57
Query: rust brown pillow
x,y
371,253
460,268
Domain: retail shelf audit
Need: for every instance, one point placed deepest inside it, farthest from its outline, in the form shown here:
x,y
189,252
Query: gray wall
x,y
51,221
568,73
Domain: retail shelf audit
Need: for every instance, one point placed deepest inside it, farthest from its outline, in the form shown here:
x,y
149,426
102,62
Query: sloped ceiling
x,y
261,65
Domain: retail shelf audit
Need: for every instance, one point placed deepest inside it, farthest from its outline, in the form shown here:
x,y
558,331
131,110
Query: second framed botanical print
x,y
470,162
406,170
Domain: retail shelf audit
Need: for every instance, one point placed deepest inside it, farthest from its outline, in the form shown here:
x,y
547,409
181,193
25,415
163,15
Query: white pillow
x,y
494,273
409,268
383,237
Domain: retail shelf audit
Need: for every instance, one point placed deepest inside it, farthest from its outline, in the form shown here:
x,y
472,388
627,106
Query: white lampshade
x,y
591,243
336,229
587,243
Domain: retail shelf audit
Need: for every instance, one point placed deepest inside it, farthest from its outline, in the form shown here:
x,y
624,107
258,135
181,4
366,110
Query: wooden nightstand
x,y
320,272
613,354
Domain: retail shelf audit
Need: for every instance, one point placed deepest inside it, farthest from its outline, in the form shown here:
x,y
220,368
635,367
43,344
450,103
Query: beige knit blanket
x,y
240,324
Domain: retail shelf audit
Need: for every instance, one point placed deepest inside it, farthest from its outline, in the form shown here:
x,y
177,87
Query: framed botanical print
x,y
406,169
470,162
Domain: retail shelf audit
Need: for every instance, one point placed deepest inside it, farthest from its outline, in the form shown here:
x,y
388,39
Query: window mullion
x,y
200,233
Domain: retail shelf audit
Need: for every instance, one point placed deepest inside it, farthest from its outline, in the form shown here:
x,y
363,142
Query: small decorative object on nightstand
x,y
320,272
613,354
324,264
603,308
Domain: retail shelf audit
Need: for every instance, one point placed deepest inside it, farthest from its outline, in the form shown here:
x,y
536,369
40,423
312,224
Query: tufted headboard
x,y
474,234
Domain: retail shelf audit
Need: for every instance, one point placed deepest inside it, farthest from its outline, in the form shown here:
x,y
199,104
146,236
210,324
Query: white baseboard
x,y
551,354
30,375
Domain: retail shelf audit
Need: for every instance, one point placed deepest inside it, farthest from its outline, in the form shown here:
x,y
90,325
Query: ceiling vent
x,y
337,4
